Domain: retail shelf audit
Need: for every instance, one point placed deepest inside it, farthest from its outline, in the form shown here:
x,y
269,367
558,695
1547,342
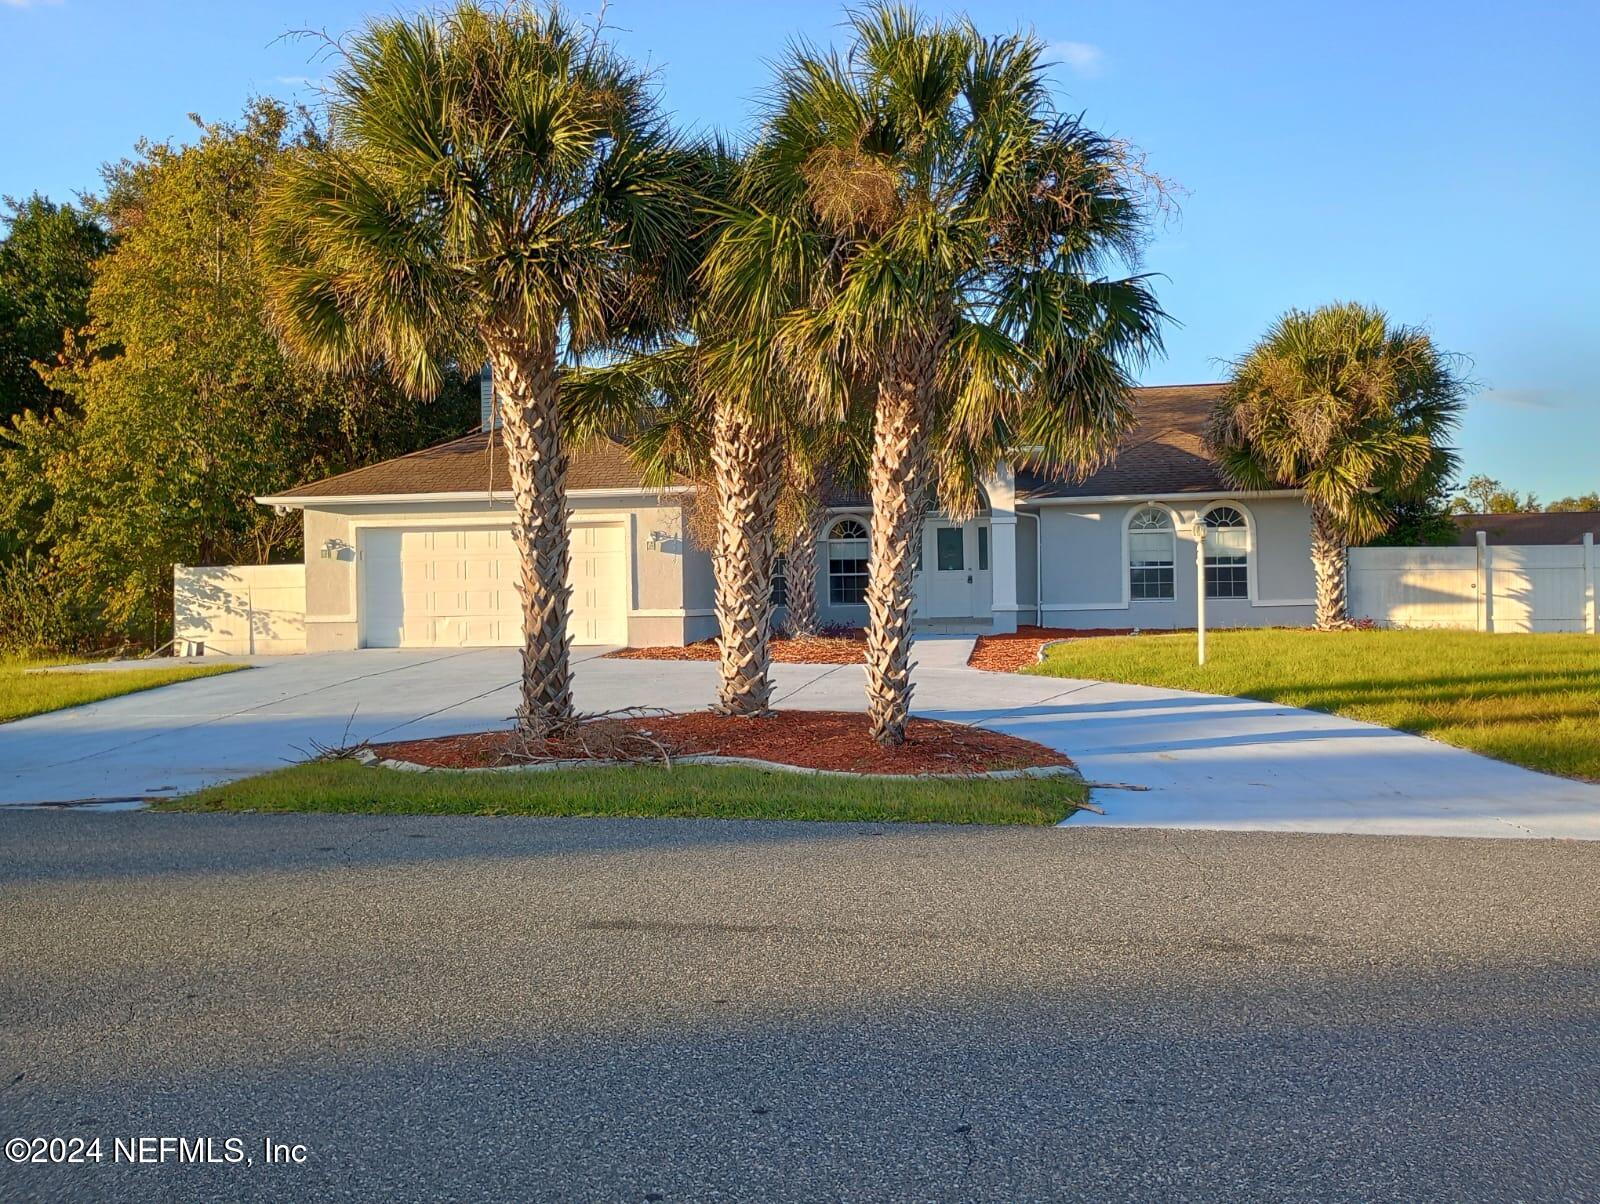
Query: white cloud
x,y
299,81
30,3
1084,58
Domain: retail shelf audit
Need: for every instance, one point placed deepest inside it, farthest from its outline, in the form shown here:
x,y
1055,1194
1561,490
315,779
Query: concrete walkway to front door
x,y
1165,758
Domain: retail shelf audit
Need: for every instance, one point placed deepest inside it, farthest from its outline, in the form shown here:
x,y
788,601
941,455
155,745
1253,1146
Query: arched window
x,y
847,563
1227,553
1151,553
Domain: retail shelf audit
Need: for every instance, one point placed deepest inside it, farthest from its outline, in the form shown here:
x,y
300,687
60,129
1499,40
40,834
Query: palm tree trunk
x,y
899,488
747,458
805,618
1328,562
529,388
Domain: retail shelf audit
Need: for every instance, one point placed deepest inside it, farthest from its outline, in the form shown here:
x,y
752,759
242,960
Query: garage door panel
x,y
457,587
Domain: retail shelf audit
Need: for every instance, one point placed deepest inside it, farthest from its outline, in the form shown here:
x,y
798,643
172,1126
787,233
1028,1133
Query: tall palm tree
x,y
710,404
918,214
495,183
684,416
1352,409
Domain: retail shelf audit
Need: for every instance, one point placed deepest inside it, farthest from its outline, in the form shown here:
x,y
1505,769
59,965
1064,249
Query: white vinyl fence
x,y
239,610
1528,587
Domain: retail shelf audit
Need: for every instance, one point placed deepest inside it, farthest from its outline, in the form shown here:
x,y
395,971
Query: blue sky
x,y
1437,159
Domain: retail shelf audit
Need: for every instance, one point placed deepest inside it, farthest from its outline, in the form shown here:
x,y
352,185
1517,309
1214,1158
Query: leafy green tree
x,y
496,183
1485,495
1418,522
1583,502
1352,409
919,215
181,406
46,267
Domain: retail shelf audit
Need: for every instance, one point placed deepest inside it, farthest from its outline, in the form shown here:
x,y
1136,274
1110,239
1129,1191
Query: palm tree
x,y
495,183
919,215
711,405
803,511
1350,408
818,458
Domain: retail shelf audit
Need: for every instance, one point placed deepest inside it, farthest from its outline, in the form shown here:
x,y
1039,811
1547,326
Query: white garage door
x,y
456,587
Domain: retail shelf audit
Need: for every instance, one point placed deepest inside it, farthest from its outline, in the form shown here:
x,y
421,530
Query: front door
x,y
948,564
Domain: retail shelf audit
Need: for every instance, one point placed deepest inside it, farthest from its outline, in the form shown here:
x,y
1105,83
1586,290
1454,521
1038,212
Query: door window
x,y
952,558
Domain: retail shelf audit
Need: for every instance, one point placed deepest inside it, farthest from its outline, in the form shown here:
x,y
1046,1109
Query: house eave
x,y
1213,495
291,501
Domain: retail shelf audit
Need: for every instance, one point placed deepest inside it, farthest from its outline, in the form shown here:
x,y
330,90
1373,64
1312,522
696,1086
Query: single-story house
x,y
417,551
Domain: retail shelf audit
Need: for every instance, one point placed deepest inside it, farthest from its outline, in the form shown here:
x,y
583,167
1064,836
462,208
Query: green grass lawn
x,y
1530,699
23,694
700,791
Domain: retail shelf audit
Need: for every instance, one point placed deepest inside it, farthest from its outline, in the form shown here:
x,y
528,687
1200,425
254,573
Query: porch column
x,y
1002,491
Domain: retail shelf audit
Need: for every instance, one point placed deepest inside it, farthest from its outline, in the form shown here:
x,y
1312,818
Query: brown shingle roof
x,y
1502,529
1164,453
465,466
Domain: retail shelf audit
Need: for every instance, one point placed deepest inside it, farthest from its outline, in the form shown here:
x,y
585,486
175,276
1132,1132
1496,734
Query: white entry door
x,y
954,580
456,587
947,570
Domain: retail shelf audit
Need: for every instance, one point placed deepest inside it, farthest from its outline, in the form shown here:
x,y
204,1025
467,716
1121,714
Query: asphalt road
x,y
474,1009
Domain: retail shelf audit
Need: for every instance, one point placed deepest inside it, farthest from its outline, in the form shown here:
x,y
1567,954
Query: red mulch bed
x,y
809,650
814,739
1008,653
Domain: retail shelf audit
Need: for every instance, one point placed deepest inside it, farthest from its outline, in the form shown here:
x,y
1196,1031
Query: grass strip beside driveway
x,y
684,791
1533,700
23,693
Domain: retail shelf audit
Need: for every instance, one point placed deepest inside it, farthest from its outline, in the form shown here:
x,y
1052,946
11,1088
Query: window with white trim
x,y
847,563
1152,552
1227,553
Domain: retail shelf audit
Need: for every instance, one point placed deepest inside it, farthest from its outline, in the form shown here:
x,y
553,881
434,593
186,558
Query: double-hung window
x,y
847,563
1227,553
1152,549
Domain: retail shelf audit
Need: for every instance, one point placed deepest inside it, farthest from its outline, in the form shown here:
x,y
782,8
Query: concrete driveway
x,y
1191,760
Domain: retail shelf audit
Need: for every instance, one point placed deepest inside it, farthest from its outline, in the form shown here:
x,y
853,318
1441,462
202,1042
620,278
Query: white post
x,y
1200,589
1002,491
1484,581
1591,620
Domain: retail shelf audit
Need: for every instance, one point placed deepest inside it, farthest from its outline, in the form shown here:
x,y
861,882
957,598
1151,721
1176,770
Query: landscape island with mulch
x,y
835,646
936,776
1005,653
